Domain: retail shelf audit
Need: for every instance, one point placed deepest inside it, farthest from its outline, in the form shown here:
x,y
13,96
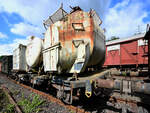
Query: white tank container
x,y
34,51
19,60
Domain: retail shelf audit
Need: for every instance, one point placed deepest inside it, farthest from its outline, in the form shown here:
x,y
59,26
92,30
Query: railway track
x,y
51,98
11,99
104,105
125,102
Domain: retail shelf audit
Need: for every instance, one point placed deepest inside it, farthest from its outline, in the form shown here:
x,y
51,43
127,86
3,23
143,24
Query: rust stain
x,y
67,33
51,34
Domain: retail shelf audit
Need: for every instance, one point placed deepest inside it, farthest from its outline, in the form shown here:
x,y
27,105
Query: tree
x,y
113,38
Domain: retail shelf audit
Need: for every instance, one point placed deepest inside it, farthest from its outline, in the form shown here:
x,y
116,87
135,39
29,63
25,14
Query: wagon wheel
x,y
34,86
19,80
67,97
16,77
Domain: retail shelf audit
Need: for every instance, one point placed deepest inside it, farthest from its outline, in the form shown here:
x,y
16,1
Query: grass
x,y
10,108
15,92
5,106
31,104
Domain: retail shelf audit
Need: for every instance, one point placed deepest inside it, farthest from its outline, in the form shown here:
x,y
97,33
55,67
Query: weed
x,y
31,104
10,108
124,74
15,92
5,106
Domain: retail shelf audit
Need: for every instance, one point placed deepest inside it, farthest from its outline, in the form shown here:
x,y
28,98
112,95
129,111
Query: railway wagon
x,y
6,64
73,44
131,52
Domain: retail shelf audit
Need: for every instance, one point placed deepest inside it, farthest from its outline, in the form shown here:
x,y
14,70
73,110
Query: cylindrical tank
x,y
77,41
34,52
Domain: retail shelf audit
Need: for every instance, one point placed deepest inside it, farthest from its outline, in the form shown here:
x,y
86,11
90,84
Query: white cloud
x,y
121,20
7,49
2,35
124,18
32,11
35,11
26,29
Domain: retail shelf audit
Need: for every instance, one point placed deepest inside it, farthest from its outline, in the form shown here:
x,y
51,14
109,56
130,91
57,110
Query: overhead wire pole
x,y
139,29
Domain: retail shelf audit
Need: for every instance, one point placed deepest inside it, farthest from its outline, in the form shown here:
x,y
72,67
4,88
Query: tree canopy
x,y
113,38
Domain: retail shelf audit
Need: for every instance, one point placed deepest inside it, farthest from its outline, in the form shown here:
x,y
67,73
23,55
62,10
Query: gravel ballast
x,y
17,92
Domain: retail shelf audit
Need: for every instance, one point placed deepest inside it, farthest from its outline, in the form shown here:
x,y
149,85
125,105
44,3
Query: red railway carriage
x,y
129,52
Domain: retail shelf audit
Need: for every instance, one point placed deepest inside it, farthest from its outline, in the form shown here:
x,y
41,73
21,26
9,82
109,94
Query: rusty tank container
x,y
73,41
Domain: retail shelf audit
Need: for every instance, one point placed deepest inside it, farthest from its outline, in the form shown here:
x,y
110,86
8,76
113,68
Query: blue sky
x,y
22,18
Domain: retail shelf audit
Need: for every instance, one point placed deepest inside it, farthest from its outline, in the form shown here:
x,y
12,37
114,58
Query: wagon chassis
x,y
70,89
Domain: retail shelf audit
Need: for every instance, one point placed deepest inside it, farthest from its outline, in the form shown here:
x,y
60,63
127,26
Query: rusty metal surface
x,y
75,29
125,73
142,87
80,83
125,86
125,102
105,83
130,78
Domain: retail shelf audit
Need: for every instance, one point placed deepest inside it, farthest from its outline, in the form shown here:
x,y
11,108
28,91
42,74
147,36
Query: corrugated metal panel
x,y
19,61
